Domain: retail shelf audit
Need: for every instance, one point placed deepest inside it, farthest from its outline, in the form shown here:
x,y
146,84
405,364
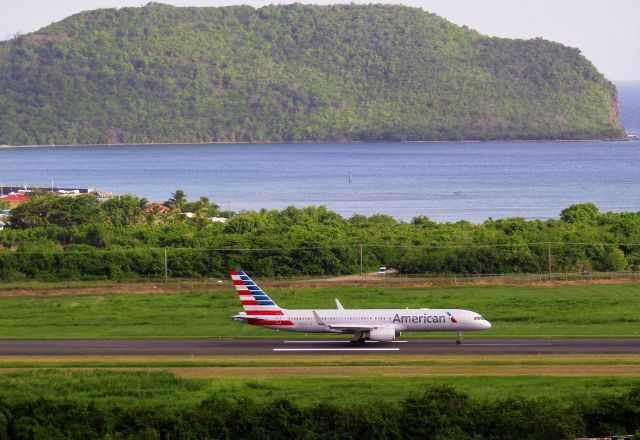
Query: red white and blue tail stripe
x,y
259,309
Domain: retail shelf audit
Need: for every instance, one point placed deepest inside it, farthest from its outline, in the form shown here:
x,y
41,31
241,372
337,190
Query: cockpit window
x,y
478,318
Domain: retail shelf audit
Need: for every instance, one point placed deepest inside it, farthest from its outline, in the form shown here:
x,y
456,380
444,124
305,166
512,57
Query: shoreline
x,y
151,144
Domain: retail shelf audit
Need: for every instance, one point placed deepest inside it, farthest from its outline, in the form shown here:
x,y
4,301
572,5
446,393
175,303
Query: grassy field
x,y
265,367
595,310
308,380
163,387
183,382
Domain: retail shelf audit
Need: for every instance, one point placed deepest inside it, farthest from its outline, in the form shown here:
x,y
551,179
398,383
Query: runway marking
x,y
334,341
336,349
464,344
316,342
93,346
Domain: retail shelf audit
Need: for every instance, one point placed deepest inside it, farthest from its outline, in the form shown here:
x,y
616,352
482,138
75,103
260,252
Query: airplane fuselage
x,y
400,319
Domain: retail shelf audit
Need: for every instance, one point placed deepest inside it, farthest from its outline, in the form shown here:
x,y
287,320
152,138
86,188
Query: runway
x,y
270,346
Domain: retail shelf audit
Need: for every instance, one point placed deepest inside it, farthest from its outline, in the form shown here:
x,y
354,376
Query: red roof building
x,y
14,199
157,206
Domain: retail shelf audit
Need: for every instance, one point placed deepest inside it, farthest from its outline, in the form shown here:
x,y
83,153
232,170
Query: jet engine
x,y
382,334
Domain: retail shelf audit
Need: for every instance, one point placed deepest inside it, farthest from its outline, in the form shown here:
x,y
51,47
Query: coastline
x,y
152,144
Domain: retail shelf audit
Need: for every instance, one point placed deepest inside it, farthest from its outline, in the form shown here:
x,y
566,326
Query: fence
x,y
366,280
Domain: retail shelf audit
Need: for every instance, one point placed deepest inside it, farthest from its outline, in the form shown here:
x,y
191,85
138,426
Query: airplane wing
x,y
354,327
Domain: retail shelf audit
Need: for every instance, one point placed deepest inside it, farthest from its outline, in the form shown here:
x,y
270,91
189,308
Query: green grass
x,y
185,361
587,311
130,388
352,391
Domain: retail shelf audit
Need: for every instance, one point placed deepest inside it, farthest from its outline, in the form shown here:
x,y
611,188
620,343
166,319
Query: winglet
x,y
338,305
318,320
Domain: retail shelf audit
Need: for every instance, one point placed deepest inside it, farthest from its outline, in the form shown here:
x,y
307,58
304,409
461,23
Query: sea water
x,y
445,181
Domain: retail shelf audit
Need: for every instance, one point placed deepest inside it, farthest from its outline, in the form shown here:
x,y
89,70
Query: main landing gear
x,y
460,336
358,338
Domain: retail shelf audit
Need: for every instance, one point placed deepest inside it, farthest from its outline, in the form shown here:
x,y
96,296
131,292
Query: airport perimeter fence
x,y
365,280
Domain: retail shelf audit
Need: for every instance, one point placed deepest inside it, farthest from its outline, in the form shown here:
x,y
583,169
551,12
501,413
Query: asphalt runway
x,y
321,347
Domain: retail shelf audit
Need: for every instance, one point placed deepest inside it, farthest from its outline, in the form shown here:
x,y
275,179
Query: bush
x,y
437,413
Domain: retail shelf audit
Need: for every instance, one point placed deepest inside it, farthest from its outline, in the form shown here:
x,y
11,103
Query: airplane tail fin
x,y
256,303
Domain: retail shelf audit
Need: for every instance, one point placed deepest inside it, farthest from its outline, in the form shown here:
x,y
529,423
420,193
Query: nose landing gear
x,y
460,336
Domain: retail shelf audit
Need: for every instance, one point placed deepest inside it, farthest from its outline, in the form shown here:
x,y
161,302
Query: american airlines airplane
x,y
382,325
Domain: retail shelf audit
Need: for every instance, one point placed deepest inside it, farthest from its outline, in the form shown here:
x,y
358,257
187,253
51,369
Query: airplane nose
x,y
487,324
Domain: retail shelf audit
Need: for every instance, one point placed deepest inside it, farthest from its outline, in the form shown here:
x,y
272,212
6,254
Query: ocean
x,y
445,181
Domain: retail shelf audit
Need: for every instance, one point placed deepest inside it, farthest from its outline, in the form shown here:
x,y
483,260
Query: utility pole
x,y
360,260
166,279
549,259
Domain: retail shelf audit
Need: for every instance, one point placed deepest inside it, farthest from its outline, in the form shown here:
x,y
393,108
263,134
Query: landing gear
x,y
460,336
358,338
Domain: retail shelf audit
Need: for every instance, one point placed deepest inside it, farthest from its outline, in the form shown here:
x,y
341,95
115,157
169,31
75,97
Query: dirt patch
x,y
349,366
109,288
42,38
571,360
383,371
366,280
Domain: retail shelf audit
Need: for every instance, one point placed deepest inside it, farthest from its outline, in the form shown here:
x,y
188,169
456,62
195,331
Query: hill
x,y
291,73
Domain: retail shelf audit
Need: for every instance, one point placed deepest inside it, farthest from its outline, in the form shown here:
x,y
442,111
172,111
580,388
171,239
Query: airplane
x,y
382,325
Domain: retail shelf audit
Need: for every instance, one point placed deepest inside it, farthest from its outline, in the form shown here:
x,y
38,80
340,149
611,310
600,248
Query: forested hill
x,y
291,73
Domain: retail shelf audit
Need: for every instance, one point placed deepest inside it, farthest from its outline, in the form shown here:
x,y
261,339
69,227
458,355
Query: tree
x,y
580,213
612,259
52,209
177,201
124,210
202,207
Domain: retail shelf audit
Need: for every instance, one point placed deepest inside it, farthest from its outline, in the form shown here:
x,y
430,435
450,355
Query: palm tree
x,y
177,200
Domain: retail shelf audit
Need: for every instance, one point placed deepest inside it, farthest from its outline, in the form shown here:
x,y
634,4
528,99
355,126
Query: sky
x,y
606,31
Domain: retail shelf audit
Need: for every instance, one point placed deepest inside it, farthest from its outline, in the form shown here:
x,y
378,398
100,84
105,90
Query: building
x,y
14,199
157,207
